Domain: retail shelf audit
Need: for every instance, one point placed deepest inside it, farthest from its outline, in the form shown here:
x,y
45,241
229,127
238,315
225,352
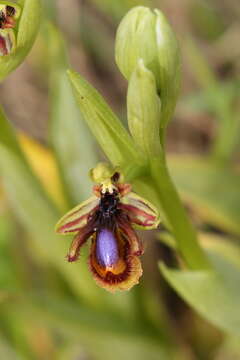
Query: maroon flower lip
x,y
108,218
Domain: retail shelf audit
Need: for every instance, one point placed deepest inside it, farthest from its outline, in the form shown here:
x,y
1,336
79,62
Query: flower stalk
x,y
177,220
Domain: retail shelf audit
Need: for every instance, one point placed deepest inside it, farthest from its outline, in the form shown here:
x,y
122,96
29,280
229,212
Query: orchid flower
x,y
108,218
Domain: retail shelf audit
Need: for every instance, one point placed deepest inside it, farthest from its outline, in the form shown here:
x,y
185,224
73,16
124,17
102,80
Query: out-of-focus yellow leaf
x,y
44,165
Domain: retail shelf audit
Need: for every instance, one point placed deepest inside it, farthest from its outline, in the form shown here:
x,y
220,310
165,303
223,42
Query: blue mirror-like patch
x,y
106,248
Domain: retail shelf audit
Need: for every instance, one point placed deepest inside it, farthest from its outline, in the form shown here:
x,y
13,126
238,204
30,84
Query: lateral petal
x,y
77,243
140,211
136,246
78,217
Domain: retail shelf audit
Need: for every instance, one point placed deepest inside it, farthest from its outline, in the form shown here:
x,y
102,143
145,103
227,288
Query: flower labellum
x,y
9,13
107,218
107,249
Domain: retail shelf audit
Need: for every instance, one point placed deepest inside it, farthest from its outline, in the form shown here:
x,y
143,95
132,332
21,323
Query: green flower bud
x,y
144,110
146,34
19,24
136,39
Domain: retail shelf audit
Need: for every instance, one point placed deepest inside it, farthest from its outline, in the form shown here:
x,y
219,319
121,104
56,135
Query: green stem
x,y
176,217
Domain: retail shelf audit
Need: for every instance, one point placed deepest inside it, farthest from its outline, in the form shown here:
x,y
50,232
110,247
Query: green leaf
x,y
212,190
175,217
144,110
26,33
213,294
70,136
105,126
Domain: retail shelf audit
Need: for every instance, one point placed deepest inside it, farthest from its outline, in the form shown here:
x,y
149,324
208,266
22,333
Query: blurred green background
x,y
50,309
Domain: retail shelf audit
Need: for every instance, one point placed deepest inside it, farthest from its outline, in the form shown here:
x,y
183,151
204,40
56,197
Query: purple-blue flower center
x,y
106,248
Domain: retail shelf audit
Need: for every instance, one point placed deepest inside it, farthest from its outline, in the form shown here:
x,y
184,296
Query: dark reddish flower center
x,y
108,205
